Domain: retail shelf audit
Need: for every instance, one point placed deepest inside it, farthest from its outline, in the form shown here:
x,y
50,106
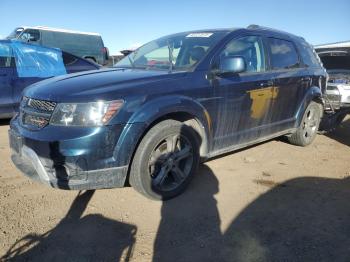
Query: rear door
x,y
243,100
290,83
6,74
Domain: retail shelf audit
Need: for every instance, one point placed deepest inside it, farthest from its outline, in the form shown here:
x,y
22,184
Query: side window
x,y
251,49
283,54
31,35
6,57
309,56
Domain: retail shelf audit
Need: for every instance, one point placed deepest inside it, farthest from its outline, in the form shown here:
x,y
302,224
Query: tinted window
x,y
283,54
73,43
251,49
308,54
30,35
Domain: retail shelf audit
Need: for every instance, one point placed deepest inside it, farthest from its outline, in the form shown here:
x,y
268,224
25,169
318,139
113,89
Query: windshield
x,y
175,52
15,33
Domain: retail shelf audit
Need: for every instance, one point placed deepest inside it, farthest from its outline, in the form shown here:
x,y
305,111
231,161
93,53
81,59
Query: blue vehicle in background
x,y
89,46
168,105
22,64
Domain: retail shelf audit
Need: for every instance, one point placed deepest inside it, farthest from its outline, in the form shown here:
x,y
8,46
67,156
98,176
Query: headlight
x,y
85,114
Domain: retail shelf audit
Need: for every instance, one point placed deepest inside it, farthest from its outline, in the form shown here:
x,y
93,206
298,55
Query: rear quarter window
x,y
308,55
283,54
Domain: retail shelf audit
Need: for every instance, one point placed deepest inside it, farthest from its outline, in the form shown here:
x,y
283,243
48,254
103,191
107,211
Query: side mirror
x,y
232,65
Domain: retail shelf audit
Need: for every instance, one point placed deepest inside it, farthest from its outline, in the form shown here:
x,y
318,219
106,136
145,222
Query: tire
x,y
91,60
165,160
307,131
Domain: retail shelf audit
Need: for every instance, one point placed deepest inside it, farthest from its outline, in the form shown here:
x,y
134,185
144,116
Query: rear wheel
x,y
310,123
165,160
90,59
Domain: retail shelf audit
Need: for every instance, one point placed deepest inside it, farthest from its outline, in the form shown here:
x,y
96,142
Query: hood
x,y
335,60
105,84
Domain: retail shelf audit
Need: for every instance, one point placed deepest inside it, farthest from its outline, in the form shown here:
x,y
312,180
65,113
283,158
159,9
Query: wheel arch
x,y
182,109
313,94
90,57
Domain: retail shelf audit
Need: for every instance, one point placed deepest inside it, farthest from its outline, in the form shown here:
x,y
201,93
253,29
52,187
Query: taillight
x,y
104,50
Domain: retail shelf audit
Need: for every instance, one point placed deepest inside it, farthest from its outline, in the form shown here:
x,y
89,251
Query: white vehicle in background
x,y
336,59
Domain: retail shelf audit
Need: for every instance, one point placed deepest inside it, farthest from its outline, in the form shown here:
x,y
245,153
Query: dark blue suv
x,y
163,109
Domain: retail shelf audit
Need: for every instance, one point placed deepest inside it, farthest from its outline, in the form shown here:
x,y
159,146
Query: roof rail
x,y
59,30
253,26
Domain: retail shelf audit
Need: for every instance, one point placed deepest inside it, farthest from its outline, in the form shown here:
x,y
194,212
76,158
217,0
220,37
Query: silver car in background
x,y
336,59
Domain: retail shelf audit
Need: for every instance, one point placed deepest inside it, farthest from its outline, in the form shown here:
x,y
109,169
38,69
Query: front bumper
x,y
81,160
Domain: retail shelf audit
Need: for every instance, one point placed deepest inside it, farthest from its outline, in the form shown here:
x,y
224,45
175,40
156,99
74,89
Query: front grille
x,y
36,113
41,105
38,121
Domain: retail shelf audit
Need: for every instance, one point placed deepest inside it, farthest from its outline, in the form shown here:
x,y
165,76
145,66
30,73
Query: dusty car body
x,y
22,64
170,104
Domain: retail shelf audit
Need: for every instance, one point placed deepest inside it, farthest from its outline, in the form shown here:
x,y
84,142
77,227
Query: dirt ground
x,y
271,202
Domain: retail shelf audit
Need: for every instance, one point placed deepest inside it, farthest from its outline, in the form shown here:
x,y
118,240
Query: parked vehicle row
x,y
82,44
167,106
22,64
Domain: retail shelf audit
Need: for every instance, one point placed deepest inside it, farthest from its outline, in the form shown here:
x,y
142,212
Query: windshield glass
x,y
15,33
175,52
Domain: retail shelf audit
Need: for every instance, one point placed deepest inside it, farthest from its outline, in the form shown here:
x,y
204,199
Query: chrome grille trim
x,y
41,105
36,113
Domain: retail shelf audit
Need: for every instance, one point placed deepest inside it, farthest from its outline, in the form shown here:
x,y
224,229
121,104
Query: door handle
x,y
266,83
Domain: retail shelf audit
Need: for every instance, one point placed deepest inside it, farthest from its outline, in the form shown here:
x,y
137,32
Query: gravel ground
x,y
270,202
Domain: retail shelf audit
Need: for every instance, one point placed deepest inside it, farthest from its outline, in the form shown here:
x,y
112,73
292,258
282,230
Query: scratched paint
x,y
262,101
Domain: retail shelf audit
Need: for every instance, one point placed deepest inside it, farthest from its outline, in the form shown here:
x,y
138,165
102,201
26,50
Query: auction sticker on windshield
x,y
200,35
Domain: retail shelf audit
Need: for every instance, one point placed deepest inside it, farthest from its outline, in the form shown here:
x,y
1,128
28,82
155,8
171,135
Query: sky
x,y
127,24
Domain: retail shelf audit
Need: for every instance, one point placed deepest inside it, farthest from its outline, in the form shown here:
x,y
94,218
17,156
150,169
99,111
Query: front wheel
x,y
165,161
307,131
